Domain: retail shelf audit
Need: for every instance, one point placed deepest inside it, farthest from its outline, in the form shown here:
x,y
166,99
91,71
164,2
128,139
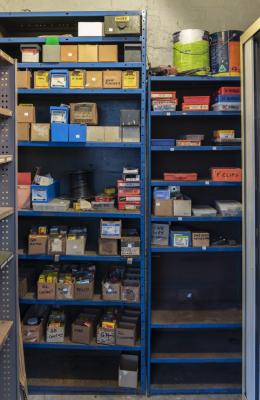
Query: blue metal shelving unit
x,y
176,275
134,152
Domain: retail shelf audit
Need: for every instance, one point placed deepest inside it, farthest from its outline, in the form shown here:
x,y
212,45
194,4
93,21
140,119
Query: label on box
x,y
131,79
180,240
41,79
39,195
58,81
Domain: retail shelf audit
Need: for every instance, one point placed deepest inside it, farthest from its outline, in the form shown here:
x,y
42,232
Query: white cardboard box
x,y
90,29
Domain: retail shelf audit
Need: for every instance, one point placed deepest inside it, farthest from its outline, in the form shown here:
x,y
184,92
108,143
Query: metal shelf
x,y
89,256
86,65
195,114
196,389
81,91
70,145
75,39
196,219
196,358
212,249
5,112
79,214
196,148
5,258
200,183
200,79
5,327
5,158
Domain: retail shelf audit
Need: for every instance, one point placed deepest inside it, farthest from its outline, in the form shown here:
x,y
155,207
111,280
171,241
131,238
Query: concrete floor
x,y
70,397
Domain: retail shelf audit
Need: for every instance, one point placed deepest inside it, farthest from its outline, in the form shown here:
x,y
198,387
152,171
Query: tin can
x,y
225,53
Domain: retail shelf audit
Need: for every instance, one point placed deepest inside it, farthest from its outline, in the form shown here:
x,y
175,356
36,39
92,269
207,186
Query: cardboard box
x,y
50,53
46,291
40,132
180,238
112,133
57,244
59,79
59,132
126,334
110,229
96,134
130,117
130,290
41,79
23,286
23,197
181,208
200,239
122,25
30,53
55,334
37,244
84,291
226,174
112,79
77,79
130,246
88,53
131,134
23,131
108,247
64,291
90,29
32,333
111,291
162,208
108,53
132,52
69,53
25,113
94,79
77,133
160,234
82,333
83,113
106,336
76,247
128,371
130,79
24,79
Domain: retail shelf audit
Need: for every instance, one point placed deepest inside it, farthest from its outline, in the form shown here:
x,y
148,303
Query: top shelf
x,y
205,79
29,14
74,39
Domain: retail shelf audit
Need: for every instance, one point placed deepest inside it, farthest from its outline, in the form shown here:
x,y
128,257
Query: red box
x,y
163,95
171,176
196,100
103,198
226,174
229,90
195,107
24,178
23,196
134,206
128,192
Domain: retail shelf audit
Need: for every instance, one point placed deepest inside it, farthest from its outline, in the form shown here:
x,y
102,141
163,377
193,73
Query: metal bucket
x,y
225,53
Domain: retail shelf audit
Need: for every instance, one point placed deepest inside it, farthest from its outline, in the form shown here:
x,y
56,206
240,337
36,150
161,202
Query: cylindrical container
x,y
225,53
191,51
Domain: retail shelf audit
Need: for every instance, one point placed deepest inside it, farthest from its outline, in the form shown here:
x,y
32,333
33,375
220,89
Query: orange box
x,y
172,176
228,174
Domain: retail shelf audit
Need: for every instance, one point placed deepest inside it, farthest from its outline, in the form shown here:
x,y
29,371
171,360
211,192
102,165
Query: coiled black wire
x,y
81,184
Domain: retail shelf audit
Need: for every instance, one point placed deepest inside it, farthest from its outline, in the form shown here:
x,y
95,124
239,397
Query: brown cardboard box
x,y
82,333
130,79
108,53
130,291
69,53
76,246
84,291
41,79
40,132
65,291
55,334
94,79
23,131
130,246
111,291
182,208
23,286
106,336
162,207
88,53
110,229
200,239
37,244
32,333
77,79
83,113
126,334
112,134
23,197
112,79
96,134
24,79
46,291
108,247
25,113
57,244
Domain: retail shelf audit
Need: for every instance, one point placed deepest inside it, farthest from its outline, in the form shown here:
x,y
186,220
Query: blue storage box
x,y
160,193
163,142
59,114
59,132
180,238
78,133
44,194
59,79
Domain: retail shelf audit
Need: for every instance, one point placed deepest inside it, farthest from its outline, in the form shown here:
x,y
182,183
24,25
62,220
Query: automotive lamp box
x,y
160,234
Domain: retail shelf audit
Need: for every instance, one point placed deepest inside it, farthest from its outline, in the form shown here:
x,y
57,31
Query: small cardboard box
x,y
128,371
162,208
77,79
94,79
23,197
23,131
226,174
51,53
108,247
77,133
83,113
33,333
111,291
57,244
90,28
88,53
41,79
108,53
126,334
112,134
131,134
40,132
130,246
46,291
106,336
76,246
200,239
112,79
37,244
130,290
55,334
119,25
96,134
181,208
84,291
130,79
25,113
180,238
64,291
82,333
69,53
30,53
132,52
24,79
110,229
160,234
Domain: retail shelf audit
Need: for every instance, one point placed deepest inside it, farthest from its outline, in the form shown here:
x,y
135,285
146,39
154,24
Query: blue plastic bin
x,y
78,133
44,194
59,132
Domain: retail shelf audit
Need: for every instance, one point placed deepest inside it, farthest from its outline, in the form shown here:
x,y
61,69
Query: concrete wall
x,y
164,16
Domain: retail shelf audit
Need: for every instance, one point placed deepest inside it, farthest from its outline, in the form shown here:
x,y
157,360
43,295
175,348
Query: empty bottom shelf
x,y
196,389
196,358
